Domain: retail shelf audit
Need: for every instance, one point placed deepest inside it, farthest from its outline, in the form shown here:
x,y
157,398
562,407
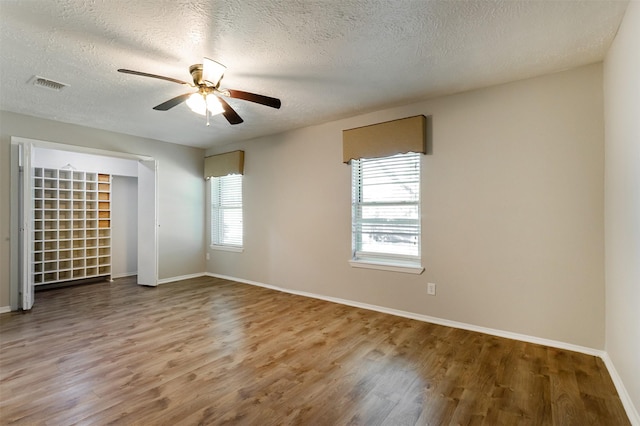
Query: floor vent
x,y
47,84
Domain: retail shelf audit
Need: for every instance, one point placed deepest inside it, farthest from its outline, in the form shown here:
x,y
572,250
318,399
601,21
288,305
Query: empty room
x,y
320,212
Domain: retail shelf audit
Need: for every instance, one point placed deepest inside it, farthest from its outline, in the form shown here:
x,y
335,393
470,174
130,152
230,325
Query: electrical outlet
x,y
431,289
208,256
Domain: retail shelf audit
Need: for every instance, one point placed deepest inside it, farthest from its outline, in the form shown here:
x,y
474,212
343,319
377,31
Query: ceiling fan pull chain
x,y
206,109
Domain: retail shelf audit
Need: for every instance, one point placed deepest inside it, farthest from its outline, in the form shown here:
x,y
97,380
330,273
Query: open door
x,y
26,225
147,229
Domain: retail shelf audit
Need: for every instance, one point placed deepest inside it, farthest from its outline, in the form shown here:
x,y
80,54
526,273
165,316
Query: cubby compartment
x,y
50,277
64,275
50,266
50,245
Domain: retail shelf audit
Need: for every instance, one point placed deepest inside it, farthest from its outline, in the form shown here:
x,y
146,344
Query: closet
x,y
71,225
79,213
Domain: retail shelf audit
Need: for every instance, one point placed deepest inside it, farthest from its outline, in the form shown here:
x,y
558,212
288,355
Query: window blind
x,y
226,210
386,208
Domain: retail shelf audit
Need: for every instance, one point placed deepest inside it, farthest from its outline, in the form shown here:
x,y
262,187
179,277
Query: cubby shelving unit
x,y
71,225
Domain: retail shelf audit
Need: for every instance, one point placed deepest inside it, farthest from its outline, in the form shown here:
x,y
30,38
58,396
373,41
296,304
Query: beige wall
x,y
512,211
181,189
622,202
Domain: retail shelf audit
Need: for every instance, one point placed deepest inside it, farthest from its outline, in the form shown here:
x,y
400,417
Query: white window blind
x,y
226,210
386,209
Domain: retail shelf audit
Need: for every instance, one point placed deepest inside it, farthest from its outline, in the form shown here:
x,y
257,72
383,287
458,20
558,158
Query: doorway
x,y
23,152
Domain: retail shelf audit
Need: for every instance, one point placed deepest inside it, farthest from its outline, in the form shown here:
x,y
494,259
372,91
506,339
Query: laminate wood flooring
x,y
211,351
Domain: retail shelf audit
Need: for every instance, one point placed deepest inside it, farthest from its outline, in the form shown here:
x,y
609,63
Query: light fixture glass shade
x,y
212,71
197,104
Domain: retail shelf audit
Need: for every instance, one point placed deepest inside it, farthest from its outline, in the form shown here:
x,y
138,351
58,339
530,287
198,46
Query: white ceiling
x,y
325,59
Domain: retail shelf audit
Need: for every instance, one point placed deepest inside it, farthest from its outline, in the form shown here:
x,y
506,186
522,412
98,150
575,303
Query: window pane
x,y
226,210
386,207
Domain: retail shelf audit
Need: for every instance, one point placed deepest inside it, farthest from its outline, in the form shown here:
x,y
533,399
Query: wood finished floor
x,y
211,351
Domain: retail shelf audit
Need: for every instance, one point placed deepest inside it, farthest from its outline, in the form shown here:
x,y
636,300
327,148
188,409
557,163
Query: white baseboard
x,y
631,410
632,413
181,277
426,318
123,275
5,309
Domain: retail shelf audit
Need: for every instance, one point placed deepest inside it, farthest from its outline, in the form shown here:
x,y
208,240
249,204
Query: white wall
x,y
57,159
622,202
181,189
124,226
512,211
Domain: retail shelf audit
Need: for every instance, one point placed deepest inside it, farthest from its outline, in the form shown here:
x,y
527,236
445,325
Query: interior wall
x,y
512,211
124,228
180,196
622,202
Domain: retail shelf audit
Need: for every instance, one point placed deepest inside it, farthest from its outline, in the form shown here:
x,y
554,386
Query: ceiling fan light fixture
x,y
199,105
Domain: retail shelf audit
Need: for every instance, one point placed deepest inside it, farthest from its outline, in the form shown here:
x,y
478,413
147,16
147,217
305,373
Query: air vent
x,y
47,84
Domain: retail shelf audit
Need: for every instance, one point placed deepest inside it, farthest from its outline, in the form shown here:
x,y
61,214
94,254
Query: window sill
x,y
234,249
416,270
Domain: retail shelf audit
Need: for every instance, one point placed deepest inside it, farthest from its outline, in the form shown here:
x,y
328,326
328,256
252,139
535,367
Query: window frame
x,y
214,212
388,261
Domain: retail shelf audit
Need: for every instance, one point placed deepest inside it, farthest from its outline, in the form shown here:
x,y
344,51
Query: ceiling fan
x,y
207,99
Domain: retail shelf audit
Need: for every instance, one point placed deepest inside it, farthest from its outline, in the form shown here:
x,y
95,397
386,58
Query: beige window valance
x,y
224,164
385,139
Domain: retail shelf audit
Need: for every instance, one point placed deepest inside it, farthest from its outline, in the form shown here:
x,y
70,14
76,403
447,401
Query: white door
x,y
147,223
26,226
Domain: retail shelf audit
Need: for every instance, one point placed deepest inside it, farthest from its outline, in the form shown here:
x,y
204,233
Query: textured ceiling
x,y
325,59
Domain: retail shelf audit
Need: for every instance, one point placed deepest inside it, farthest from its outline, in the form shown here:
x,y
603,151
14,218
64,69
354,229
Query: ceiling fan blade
x,y
161,77
252,97
172,102
229,113
212,71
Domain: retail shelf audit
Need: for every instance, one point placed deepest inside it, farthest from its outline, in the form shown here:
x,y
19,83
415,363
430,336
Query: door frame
x,y
21,224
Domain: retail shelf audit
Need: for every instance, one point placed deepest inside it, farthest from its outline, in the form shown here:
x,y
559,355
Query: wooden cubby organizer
x,y
71,225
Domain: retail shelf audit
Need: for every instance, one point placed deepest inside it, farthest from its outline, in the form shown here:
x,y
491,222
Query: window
x,y
226,211
386,210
